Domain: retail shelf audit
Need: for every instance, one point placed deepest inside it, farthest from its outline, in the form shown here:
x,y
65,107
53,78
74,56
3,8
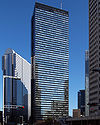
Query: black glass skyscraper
x,y
81,101
50,62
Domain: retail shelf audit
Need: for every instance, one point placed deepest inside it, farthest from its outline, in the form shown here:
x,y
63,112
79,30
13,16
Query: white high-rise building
x,y
17,85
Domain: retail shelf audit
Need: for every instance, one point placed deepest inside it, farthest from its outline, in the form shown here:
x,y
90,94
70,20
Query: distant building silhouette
x,y
81,101
50,62
17,86
1,118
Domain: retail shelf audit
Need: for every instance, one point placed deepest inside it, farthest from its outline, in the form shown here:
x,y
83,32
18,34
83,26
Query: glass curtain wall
x,y
50,61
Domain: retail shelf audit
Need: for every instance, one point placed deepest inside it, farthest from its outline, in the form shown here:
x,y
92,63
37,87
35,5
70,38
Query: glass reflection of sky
x,y
51,59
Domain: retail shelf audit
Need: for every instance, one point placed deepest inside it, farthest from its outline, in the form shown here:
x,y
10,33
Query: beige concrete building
x,y
76,113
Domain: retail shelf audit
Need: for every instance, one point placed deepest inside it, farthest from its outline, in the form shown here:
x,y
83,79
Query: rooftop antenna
x,y
61,4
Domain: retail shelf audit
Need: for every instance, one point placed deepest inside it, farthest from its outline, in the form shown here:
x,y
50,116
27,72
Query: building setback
x,y
86,83
17,86
81,101
50,62
94,55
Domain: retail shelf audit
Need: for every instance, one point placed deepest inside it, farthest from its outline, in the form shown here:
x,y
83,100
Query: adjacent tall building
x,y
17,86
50,62
81,101
94,55
86,83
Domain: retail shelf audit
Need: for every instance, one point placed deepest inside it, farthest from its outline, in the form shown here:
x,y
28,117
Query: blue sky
x,y
15,33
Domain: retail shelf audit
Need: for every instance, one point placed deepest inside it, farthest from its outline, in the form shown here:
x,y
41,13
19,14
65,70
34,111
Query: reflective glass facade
x,y
81,101
17,91
50,62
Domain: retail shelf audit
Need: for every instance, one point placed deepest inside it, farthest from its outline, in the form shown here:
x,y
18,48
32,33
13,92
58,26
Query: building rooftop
x,y
51,9
11,51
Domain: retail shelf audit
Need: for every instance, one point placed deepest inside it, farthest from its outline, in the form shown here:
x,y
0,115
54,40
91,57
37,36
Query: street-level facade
x,y
50,62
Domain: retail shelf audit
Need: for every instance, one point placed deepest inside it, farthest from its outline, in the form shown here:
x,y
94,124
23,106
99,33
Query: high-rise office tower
x,y
86,83
50,62
17,86
94,55
81,101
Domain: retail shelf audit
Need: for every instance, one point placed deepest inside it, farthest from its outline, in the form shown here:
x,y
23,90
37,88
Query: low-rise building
x,y
76,113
